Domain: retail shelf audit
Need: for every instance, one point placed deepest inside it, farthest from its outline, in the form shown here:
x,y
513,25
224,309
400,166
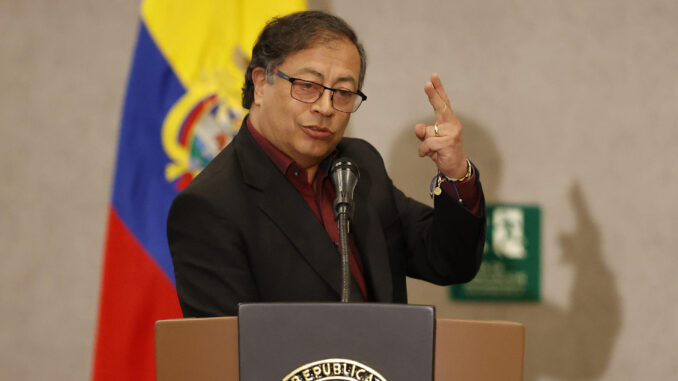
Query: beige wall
x,y
570,105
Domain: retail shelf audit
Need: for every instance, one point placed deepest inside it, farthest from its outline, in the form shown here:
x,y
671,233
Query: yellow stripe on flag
x,y
207,38
208,44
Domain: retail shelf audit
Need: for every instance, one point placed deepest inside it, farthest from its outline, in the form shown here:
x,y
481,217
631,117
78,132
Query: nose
x,y
324,104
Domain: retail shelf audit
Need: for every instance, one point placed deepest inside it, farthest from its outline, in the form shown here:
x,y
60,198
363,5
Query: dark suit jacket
x,y
240,232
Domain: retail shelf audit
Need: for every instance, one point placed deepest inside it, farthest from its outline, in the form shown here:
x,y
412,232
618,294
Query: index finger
x,y
439,99
438,86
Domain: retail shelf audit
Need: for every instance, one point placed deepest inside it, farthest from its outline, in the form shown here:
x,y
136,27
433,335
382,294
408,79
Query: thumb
x,y
420,131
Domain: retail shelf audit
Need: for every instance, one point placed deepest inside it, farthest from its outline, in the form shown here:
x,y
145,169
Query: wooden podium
x,y
208,349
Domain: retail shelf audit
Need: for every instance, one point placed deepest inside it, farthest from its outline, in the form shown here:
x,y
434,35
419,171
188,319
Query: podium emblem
x,y
334,370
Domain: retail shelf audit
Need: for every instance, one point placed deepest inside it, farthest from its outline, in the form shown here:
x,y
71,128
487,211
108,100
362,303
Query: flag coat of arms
x,y
181,108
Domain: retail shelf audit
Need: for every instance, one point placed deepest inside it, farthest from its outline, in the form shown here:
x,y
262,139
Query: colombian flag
x,y
182,107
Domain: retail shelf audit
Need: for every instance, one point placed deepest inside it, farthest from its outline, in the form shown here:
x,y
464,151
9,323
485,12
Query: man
x,y
257,224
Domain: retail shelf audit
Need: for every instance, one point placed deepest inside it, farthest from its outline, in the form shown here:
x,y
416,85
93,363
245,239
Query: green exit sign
x,y
510,269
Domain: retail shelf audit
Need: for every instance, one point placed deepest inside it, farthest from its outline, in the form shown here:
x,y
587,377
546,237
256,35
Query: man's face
x,y
306,132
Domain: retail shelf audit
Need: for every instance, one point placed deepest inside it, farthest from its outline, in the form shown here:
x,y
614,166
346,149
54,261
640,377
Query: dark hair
x,y
292,33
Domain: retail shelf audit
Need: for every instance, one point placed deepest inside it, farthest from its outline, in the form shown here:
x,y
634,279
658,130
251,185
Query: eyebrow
x,y
307,70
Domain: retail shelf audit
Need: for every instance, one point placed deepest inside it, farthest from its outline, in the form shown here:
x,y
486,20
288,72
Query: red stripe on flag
x,y
134,294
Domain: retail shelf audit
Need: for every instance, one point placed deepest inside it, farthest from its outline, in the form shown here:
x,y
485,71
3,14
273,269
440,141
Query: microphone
x,y
344,174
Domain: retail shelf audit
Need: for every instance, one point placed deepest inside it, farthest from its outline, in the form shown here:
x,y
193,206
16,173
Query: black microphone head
x,y
344,163
344,173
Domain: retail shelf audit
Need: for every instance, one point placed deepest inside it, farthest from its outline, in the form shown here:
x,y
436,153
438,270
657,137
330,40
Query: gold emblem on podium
x,y
334,370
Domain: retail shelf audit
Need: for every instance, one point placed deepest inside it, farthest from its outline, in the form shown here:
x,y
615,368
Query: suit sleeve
x,y
445,244
211,268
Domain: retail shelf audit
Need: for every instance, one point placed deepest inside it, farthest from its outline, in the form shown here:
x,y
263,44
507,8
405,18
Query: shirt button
x,y
296,173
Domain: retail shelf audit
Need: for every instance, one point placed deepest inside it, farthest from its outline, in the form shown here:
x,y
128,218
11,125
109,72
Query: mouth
x,y
317,132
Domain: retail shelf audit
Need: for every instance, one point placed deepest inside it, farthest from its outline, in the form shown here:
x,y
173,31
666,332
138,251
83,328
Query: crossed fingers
x,y
442,141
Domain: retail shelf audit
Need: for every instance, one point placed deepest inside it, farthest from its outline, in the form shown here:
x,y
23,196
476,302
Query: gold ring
x,y
435,129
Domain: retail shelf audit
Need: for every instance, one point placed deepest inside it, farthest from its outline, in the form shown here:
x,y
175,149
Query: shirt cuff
x,y
468,191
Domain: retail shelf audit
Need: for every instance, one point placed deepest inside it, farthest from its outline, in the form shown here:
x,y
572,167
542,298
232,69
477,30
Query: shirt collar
x,y
279,158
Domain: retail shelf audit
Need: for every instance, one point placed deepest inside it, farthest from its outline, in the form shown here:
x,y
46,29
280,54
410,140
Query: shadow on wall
x,y
567,343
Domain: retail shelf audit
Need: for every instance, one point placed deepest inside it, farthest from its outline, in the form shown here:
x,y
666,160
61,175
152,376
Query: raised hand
x,y
442,142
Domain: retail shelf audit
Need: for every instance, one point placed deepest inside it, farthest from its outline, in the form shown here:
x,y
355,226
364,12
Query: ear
x,y
259,80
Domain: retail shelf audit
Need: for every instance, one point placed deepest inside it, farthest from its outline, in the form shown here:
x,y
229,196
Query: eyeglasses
x,y
309,92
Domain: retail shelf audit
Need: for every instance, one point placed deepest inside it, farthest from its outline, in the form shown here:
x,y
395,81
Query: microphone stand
x,y
344,173
345,267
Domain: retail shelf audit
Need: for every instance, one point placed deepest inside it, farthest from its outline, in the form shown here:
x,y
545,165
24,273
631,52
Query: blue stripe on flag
x,y
141,194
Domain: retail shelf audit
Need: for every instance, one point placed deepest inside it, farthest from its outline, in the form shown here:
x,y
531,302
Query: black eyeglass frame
x,y
292,80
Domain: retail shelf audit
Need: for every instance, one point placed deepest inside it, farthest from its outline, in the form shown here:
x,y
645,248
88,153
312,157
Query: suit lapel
x,y
289,211
282,203
367,230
